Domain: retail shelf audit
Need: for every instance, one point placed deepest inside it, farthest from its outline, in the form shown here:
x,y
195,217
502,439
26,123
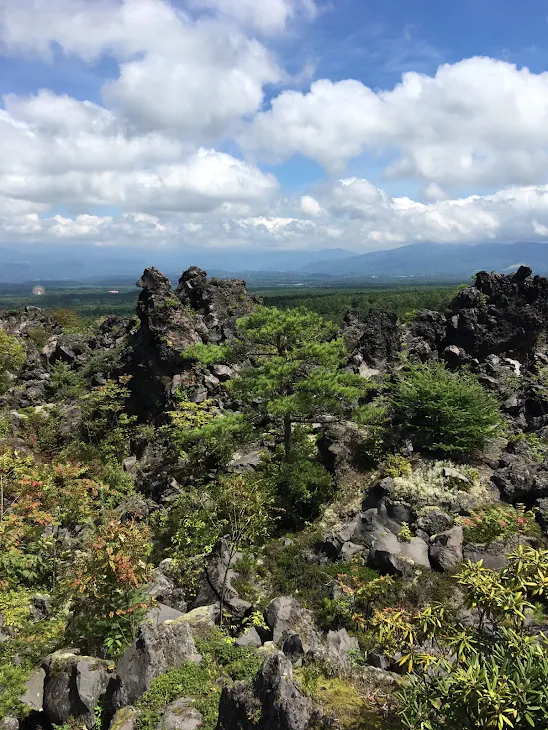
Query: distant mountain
x,y
437,260
81,263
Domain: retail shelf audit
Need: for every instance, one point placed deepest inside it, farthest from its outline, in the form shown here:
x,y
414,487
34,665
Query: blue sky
x,y
280,124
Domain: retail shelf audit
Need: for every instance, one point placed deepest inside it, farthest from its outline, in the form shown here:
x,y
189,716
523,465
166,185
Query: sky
x,y
272,124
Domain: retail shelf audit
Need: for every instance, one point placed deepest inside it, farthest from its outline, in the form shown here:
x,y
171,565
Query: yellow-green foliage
x,y
12,359
396,465
340,700
489,675
426,485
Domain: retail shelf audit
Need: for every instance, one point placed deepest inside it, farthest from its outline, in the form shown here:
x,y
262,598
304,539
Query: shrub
x,y
396,465
301,485
12,359
497,522
489,675
447,412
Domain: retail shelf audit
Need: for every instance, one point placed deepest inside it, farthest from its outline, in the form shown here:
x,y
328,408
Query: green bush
x,y
299,482
448,413
12,359
490,675
497,521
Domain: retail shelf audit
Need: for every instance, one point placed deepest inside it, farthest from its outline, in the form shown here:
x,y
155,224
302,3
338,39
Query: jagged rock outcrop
x,y
156,650
499,315
271,702
73,687
218,303
171,320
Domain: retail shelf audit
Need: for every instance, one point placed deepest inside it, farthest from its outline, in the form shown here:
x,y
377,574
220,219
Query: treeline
x,y
334,305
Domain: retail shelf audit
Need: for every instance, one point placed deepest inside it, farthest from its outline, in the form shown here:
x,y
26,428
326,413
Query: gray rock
x,y
435,521
217,578
124,719
292,646
446,550
9,723
164,590
456,476
285,616
379,660
273,697
250,637
350,550
180,715
223,372
73,687
33,696
155,651
130,465
494,555
160,613
339,644
391,556
244,462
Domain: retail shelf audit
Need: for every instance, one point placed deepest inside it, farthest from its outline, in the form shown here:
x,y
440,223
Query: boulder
x,y
446,550
339,645
33,696
284,616
432,522
217,580
124,719
180,715
73,687
164,590
271,702
393,557
494,555
379,343
250,637
160,613
156,650
9,723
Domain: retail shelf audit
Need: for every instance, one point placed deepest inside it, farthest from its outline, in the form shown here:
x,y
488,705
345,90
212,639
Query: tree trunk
x,y
288,436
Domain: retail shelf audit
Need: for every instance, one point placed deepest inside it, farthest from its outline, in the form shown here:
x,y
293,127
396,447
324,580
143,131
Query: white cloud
x,y
310,206
57,150
194,77
356,216
267,16
481,121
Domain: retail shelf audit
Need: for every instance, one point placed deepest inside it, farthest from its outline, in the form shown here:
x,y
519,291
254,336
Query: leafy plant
x,y
497,521
396,465
490,675
105,581
12,359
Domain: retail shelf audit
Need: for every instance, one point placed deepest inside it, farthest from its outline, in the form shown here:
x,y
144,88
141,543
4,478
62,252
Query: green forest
x,y
232,513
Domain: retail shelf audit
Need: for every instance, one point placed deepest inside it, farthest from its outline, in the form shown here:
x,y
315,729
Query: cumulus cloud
x,y
189,81
54,150
356,215
268,17
193,76
481,121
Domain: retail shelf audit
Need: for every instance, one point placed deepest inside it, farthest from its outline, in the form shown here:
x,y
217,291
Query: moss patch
x,y
341,701
222,663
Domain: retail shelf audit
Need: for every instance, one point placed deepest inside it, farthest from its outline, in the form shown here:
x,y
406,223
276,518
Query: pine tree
x,y
294,373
